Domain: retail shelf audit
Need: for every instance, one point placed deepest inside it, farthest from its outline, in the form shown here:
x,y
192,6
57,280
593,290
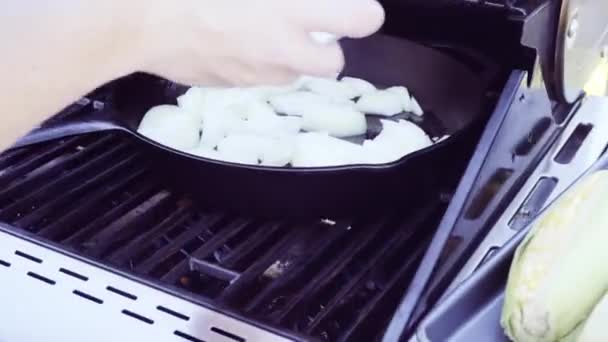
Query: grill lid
x,y
580,37
582,40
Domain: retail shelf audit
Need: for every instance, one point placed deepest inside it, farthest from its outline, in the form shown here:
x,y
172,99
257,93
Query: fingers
x,y
242,74
309,58
347,18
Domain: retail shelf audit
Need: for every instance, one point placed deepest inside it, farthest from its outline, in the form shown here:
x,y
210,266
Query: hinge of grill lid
x,y
580,34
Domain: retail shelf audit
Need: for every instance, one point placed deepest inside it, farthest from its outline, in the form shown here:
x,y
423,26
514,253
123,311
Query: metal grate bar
x,y
243,251
374,311
237,292
129,224
302,258
400,237
53,204
15,156
369,234
213,270
88,204
77,237
32,199
122,255
207,248
204,225
38,159
54,170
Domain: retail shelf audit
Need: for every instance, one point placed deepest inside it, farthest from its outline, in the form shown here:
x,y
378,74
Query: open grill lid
x,y
581,39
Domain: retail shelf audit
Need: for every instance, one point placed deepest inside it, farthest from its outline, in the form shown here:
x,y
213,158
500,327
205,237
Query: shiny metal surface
x,y
593,111
581,38
48,296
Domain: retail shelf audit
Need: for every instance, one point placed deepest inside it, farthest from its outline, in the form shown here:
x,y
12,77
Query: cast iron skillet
x,y
449,91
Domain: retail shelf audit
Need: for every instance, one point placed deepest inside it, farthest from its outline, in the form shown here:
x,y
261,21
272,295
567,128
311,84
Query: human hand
x,y
249,42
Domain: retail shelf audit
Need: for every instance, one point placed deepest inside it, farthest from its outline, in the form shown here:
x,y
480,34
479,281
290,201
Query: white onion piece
x,y
376,153
318,149
257,109
253,148
437,140
359,85
335,119
278,152
216,127
380,102
415,107
171,126
241,102
295,103
237,157
242,148
205,102
404,96
193,101
331,88
270,126
291,124
204,151
396,140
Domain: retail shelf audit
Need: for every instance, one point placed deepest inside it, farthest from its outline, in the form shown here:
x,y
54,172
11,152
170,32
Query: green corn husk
x,y
559,271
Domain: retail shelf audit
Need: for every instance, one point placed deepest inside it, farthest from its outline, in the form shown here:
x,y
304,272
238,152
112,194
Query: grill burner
x,y
334,279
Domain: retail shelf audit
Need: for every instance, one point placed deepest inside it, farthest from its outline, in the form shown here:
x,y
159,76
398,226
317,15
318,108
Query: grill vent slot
x,y
121,293
227,334
172,313
573,144
41,278
73,274
533,203
87,296
524,147
187,337
137,316
487,193
28,257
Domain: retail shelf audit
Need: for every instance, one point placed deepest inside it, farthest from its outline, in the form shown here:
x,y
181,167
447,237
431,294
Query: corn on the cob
x,y
595,328
559,271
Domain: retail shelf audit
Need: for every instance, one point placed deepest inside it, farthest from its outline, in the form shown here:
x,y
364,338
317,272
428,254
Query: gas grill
x,y
93,196
95,246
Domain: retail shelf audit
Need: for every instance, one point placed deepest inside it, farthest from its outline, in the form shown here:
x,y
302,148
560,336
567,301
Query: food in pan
x,y
170,126
381,102
415,107
316,149
338,120
362,87
559,271
396,140
298,103
329,88
300,125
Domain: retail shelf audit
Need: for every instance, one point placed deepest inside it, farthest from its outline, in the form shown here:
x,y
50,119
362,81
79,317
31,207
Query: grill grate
x,y
95,195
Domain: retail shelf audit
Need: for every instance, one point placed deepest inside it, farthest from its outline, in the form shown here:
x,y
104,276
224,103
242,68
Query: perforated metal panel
x,y
48,296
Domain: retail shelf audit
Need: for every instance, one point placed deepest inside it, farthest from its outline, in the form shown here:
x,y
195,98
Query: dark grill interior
x,y
333,279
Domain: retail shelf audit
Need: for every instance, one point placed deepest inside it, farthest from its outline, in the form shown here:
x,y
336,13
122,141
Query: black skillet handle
x,y
124,103
87,121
